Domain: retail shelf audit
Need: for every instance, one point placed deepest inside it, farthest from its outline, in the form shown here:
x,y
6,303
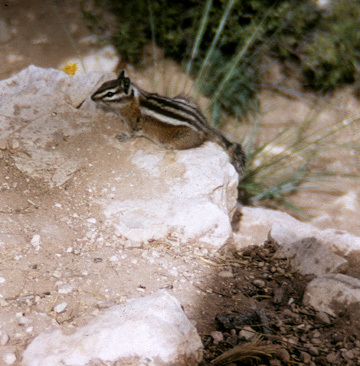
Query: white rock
x,y
35,241
309,256
283,235
256,224
65,289
152,328
259,283
4,339
23,320
9,358
340,241
226,274
15,144
332,293
59,308
194,208
247,333
182,196
217,336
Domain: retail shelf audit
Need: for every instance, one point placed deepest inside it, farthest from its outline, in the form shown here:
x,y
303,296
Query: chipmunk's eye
x,y
109,94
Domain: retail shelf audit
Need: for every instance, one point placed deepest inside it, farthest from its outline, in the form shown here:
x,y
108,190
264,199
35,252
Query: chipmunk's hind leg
x,y
172,137
186,138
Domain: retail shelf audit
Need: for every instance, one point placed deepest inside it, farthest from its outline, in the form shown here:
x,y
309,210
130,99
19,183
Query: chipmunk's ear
x,y
122,75
125,81
126,85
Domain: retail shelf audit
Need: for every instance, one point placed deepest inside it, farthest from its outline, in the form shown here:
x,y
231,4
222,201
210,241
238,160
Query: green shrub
x,y
332,54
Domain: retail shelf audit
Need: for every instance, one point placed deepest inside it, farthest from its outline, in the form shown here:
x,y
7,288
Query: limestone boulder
x,y
333,294
152,330
135,190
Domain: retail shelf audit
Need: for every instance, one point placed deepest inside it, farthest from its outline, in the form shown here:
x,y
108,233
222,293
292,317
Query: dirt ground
x,y
86,270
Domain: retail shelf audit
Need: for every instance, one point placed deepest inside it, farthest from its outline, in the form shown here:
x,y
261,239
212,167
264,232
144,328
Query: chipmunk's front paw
x,y
124,137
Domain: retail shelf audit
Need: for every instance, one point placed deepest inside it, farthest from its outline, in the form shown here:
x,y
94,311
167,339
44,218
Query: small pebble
x,y
284,355
232,340
348,354
331,358
293,340
279,294
4,339
57,274
322,317
259,283
15,144
305,357
24,321
247,333
65,289
3,145
316,341
217,336
59,308
225,274
313,351
35,241
9,358
3,303
105,304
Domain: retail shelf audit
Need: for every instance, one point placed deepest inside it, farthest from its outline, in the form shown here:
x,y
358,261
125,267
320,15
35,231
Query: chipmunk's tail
x,y
235,152
237,157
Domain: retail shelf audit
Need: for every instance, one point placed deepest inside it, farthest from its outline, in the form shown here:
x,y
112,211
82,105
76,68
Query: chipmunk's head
x,y
116,93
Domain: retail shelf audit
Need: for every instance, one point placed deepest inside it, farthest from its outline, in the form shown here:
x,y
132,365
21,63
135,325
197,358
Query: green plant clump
x,y
288,162
331,57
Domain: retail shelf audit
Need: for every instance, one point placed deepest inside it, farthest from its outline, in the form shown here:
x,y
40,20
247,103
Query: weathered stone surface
x,y
150,330
340,241
309,256
257,224
145,193
332,293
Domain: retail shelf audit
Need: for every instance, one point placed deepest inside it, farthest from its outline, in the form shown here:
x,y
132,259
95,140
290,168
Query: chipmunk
x,y
173,123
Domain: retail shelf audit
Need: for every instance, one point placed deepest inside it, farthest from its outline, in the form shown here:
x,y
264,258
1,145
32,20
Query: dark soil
x,y
266,295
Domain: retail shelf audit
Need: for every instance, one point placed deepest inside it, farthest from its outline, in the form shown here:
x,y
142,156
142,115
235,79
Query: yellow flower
x,y
70,68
